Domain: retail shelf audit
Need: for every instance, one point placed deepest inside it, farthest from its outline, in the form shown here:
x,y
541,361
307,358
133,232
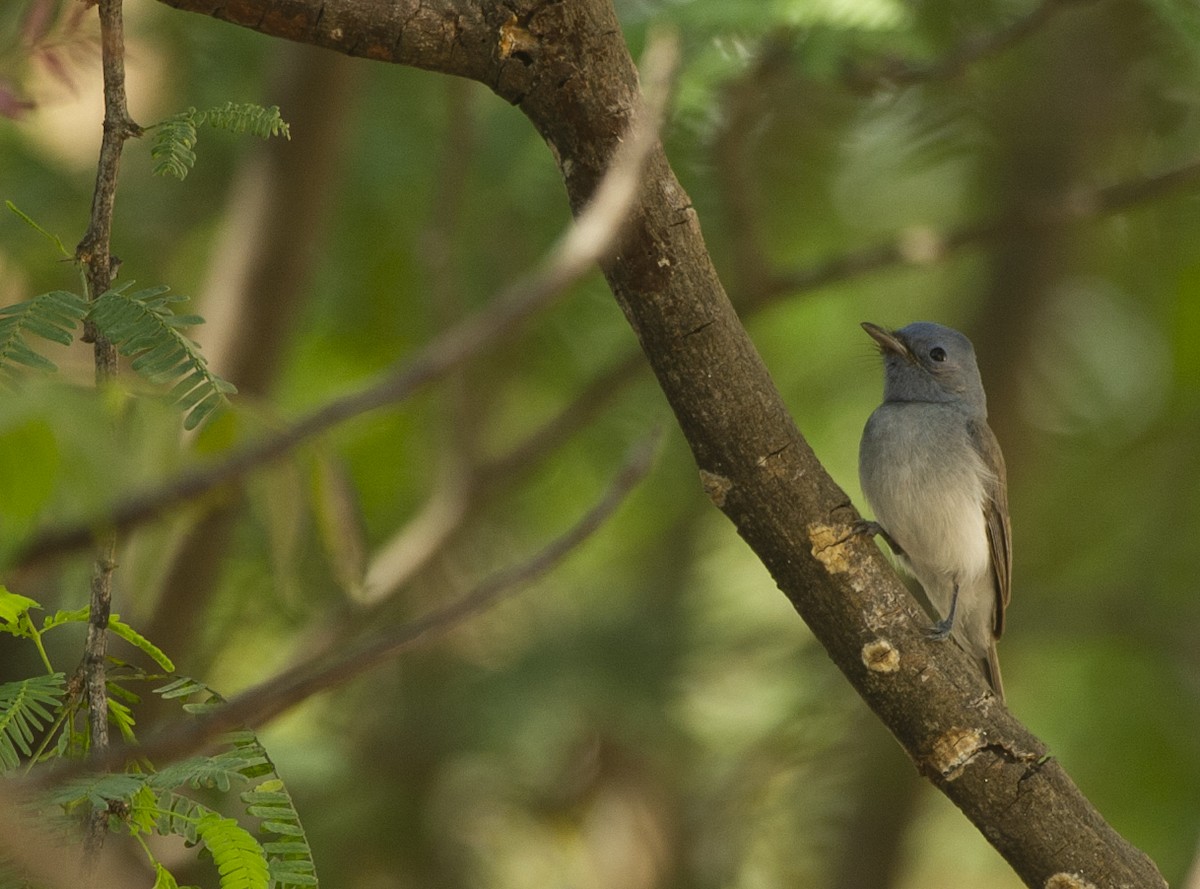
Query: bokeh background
x,y
653,714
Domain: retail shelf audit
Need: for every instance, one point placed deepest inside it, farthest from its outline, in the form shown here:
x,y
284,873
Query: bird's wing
x,y
999,529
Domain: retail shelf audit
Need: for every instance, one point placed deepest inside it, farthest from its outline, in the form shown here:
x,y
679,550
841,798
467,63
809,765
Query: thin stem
x,y
335,667
94,255
588,240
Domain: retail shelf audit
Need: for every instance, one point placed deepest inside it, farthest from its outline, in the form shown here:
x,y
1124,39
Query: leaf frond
x,y
143,327
26,708
175,138
51,316
239,858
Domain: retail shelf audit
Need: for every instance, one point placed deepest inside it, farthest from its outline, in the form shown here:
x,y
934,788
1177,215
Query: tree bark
x,y
567,67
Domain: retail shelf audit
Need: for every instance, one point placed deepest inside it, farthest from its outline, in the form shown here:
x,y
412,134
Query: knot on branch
x,y
716,487
953,749
829,546
1068,881
881,656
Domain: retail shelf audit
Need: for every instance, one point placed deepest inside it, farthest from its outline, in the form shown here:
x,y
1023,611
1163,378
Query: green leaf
x,y
12,607
53,316
181,687
140,642
175,138
238,856
99,790
142,326
59,618
143,812
26,708
163,878
28,220
121,716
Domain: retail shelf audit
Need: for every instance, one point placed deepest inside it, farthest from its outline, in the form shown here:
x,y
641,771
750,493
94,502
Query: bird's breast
x,y
925,482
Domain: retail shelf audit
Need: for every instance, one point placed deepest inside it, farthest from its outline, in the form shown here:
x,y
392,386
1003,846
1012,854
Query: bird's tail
x,y
991,669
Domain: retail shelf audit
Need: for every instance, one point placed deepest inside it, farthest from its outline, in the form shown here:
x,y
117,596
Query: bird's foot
x,y
941,630
864,528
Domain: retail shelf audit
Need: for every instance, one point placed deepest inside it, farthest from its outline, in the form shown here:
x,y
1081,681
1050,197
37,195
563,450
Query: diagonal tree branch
x,y
572,76
921,246
595,232
335,667
896,72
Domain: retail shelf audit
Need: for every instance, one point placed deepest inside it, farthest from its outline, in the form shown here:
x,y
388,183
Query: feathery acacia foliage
x,y
52,316
175,138
143,327
26,708
145,801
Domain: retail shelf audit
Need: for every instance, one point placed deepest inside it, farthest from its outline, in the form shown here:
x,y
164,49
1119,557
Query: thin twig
x,y
588,240
892,73
330,669
94,253
415,544
453,504
923,246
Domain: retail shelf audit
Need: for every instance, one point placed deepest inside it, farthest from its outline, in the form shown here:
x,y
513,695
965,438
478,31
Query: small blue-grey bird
x,y
932,470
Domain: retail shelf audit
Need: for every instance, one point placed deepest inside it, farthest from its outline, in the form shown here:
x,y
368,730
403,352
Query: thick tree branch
x,y
567,67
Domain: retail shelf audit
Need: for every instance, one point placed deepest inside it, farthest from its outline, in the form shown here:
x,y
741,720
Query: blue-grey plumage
x,y
932,470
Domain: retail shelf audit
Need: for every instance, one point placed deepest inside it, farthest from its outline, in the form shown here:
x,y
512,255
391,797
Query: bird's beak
x,y
887,341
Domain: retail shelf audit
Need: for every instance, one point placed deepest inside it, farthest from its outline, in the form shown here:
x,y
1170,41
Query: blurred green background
x,y
653,714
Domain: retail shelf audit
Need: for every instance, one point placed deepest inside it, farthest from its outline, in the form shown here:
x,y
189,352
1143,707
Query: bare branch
x,y
94,254
332,668
455,502
920,246
894,72
588,240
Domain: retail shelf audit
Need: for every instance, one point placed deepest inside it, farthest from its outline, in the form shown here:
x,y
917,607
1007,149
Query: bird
x,y
934,476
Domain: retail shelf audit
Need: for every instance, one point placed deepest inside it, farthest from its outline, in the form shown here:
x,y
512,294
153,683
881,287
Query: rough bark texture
x,y
567,67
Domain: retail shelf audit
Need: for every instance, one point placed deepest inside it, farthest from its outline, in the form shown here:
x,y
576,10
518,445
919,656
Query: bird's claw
x,y
865,528
940,631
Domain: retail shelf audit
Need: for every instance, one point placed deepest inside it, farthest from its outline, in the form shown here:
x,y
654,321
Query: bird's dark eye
x,y
937,353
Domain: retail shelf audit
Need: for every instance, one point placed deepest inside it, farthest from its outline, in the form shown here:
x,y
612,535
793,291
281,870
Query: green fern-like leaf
x,y
289,856
180,688
175,138
26,708
246,118
239,858
174,141
179,815
163,878
52,316
218,771
120,628
143,327
14,607
99,790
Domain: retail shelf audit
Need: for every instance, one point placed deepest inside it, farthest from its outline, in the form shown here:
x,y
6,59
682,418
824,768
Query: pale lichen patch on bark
x,y
881,656
954,749
716,487
829,546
